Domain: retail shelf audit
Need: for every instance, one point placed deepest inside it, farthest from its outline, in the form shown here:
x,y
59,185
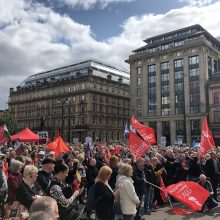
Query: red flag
x,y
58,146
116,150
207,143
163,195
145,132
190,193
138,147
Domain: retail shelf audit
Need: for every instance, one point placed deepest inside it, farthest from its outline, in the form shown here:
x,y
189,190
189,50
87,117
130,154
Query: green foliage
x,y
9,121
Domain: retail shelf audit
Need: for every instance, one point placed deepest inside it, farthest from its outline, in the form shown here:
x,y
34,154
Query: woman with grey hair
x,y
29,189
14,179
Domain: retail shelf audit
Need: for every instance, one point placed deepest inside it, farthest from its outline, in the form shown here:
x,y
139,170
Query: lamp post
x,y
63,102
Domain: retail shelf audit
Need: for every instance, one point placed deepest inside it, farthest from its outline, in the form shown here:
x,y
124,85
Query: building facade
x,y
169,82
214,106
88,98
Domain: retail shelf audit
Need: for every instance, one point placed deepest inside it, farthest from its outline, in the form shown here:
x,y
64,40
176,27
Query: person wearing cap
x,y
45,174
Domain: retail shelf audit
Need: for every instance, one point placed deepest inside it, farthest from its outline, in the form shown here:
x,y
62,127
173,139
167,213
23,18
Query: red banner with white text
x,y
138,147
207,143
189,193
145,132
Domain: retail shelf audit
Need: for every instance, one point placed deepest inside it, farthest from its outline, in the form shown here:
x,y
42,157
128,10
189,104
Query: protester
x,y
139,183
128,197
45,174
113,164
104,195
149,189
63,194
14,180
210,202
45,204
29,189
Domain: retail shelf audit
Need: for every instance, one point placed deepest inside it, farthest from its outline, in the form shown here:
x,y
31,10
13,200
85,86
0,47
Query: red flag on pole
x,y
163,195
58,146
190,193
207,143
138,147
145,132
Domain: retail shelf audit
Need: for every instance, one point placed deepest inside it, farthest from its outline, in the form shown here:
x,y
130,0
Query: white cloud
x,y
36,38
197,2
87,4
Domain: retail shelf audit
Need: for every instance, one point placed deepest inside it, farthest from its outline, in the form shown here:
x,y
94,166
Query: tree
x,y
7,119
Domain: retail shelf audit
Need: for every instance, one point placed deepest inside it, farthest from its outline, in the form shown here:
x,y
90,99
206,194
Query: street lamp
x,y
63,102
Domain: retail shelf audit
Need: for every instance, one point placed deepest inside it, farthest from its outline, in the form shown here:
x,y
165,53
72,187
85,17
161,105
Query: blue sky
x,y
107,22
40,35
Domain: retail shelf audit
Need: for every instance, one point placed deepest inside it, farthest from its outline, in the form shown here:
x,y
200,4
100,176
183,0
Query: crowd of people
x,y
107,181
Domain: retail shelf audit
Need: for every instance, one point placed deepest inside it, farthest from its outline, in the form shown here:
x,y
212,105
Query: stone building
x,y
214,106
169,82
88,98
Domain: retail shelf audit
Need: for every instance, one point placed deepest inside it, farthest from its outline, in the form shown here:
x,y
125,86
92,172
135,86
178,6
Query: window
x,y
179,87
165,89
217,116
178,43
83,86
178,54
193,72
195,127
82,98
215,98
152,102
193,60
178,63
152,91
152,68
138,92
195,98
138,103
179,99
152,112
139,70
165,100
164,47
194,109
164,66
178,75
139,81
165,111
194,85
94,97
151,79
165,77
139,113
151,50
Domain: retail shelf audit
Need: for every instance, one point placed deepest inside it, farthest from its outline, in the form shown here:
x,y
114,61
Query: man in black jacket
x,y
212,168
139,183
45,174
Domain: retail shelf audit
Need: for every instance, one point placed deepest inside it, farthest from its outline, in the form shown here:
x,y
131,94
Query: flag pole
x,y
160,189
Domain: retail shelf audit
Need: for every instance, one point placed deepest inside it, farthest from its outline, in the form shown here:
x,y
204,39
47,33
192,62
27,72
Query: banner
x,y
138,147
145,132
207,143
190,193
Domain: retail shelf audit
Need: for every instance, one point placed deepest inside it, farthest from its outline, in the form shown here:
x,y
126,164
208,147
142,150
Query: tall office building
x,y
89,98
169,82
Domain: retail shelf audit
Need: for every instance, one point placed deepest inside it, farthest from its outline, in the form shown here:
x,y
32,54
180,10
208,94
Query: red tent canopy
x,y
26,136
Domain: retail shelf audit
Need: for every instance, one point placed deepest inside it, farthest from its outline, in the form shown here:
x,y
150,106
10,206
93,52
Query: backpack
x,y
91,201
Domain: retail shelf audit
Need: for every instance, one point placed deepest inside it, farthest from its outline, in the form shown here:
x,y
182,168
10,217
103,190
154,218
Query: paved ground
x,y
165,214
